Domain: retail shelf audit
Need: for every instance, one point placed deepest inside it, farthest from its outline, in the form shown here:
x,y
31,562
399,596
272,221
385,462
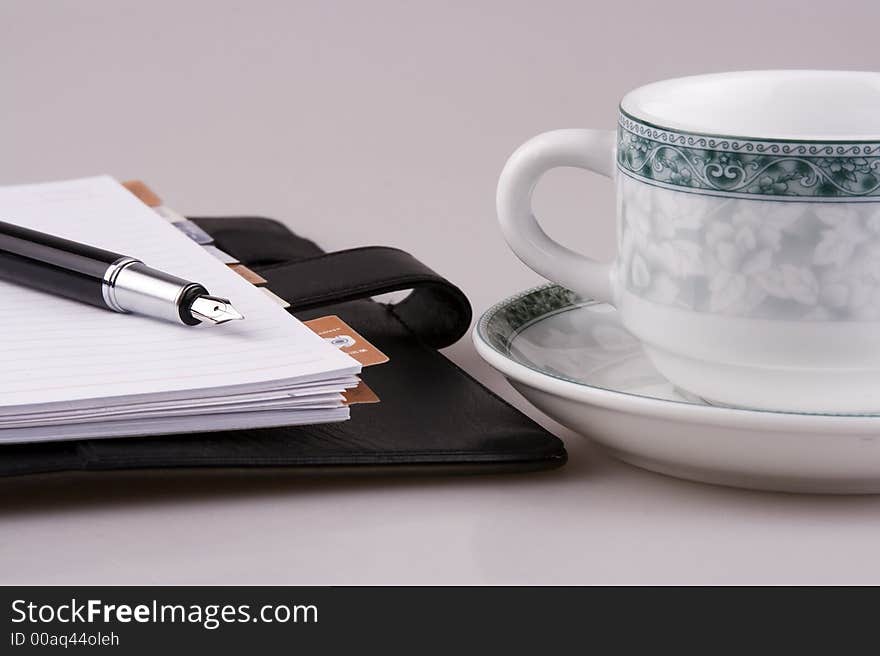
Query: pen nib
x,y
212,309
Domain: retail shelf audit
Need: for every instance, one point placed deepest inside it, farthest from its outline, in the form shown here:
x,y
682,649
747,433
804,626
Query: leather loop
x,y
437,311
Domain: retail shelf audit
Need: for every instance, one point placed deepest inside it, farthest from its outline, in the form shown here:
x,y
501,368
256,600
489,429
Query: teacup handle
x,y
593,150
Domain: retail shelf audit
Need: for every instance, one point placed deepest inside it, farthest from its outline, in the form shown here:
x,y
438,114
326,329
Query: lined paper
x,y
59,354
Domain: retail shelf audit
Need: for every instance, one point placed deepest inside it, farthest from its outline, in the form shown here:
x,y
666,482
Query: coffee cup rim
x,y
785,106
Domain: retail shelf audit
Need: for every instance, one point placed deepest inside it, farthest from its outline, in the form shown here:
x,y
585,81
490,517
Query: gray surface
x,y
388,122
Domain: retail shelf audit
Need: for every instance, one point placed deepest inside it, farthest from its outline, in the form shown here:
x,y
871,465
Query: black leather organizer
x,y
432,417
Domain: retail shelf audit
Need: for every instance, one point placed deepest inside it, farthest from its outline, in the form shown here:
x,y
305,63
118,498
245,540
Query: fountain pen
x,y
105,279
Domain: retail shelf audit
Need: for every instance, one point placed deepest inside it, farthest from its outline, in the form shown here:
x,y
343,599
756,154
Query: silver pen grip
x,y
129,285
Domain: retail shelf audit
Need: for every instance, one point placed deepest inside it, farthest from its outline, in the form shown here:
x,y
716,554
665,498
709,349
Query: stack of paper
x,y
70,370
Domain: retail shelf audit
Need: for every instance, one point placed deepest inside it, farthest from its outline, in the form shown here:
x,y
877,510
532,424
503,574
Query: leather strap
x,y
437,311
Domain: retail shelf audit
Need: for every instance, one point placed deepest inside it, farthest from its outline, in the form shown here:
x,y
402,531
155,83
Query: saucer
x,y
574,361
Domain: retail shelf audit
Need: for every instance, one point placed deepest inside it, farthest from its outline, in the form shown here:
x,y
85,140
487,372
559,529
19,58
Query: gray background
x,y
388,122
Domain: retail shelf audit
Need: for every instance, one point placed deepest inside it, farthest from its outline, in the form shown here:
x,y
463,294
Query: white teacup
x,y
748,212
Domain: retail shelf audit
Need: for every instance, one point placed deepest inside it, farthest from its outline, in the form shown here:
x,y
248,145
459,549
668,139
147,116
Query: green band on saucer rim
x,y
742,167
500,324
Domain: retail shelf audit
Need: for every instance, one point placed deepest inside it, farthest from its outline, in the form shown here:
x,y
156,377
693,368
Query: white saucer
x,y
573,360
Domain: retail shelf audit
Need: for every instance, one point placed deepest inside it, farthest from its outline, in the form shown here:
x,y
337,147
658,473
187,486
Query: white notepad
x,y
70,370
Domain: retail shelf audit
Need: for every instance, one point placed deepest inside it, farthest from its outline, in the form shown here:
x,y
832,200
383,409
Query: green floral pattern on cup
x,y
748,167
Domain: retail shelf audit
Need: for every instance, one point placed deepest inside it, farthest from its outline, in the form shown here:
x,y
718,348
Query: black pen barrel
x,y
55,265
